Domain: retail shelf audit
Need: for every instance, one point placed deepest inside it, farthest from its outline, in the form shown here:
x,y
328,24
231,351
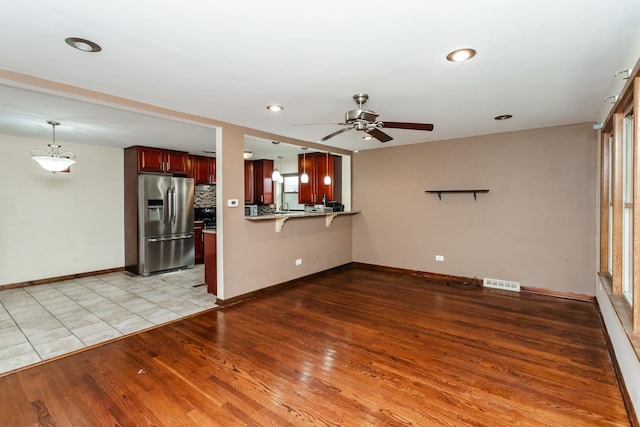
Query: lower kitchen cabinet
x,y
210,263
198,240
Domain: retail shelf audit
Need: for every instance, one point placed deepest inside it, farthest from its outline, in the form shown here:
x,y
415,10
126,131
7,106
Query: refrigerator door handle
x,y
169,205
165,239
175,203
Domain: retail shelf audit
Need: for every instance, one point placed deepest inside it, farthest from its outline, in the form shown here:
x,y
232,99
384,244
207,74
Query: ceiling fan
x,y
365,120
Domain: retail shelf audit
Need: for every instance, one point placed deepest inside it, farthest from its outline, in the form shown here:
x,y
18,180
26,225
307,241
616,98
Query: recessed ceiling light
x,y
275,107
503,117
83,44
367,137
461,55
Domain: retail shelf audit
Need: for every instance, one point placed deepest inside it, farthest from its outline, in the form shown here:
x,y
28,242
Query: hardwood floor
x,y
351,348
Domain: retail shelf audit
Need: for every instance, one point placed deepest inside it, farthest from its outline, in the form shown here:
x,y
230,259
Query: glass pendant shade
x,y
53,160
275,176
304,178
53,164
327,178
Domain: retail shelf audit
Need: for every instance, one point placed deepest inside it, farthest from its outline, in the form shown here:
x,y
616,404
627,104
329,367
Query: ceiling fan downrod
x,y
360,99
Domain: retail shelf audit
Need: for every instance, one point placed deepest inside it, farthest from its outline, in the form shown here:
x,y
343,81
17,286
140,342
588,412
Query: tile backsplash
x,y
205,196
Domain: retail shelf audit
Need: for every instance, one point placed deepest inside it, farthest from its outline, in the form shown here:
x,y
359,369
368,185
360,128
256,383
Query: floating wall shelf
x,y
440,192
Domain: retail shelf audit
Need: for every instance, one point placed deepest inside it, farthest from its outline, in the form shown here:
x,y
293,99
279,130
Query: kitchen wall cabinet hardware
x,y
202,169
316,166
440,192
161,161
258,186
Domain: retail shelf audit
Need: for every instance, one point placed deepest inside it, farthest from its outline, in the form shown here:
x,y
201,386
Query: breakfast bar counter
x,y
281,217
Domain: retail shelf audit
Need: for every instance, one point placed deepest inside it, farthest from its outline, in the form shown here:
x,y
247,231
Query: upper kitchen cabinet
x,y
249,183
202,169
317,166
258,185
161,161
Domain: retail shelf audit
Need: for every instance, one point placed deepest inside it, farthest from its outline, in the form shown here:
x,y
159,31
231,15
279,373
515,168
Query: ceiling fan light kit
x,y
365,121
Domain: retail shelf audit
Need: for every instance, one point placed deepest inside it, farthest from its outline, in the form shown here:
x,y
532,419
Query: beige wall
x,y
254,255
58,224
536,226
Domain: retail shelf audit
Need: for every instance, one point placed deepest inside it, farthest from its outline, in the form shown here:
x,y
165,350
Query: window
x,y
609,147
619,189
290,192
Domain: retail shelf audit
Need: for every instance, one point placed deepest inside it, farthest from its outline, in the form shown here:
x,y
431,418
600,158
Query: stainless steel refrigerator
x,y
165,223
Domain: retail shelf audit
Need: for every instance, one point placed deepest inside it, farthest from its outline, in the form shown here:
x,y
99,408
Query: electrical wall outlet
x,y
439,257
299,261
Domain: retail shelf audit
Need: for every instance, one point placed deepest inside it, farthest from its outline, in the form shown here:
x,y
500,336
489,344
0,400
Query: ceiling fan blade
x,y
319,123
379,135
331,135
403,125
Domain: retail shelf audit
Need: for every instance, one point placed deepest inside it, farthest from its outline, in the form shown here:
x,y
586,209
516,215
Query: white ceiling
x,y
546,62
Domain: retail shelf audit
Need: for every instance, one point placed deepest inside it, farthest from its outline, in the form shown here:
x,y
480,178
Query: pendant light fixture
x,y
280,179
275,176
53,160
327,178
304,178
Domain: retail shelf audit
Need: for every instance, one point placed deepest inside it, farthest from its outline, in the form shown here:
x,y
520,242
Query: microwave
x,y
250,210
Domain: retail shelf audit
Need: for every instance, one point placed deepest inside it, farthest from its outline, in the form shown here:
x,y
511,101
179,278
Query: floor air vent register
x,y
501,284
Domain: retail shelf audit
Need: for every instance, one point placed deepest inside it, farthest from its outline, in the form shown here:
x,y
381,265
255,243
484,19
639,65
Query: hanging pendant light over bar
x,y
275,176
304,178
327,177
53,160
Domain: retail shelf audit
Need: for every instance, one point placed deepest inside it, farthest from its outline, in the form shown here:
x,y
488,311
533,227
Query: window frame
x,y
612,202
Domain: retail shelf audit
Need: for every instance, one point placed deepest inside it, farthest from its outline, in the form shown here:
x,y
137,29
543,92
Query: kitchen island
x,y
281,217
210,261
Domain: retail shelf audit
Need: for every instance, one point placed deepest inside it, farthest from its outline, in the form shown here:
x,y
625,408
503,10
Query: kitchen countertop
x,y
209,231
296,214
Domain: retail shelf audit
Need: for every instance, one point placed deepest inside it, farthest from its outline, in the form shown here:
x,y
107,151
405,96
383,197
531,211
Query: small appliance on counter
x,y
250,210
207,216
334,207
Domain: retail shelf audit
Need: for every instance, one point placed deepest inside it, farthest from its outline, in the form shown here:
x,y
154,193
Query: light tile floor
x,y
45,321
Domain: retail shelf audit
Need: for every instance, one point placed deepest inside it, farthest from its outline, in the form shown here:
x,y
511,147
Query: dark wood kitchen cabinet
x,y
249,183
202,169
161,161
317,166
198,240
258,186
210,263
